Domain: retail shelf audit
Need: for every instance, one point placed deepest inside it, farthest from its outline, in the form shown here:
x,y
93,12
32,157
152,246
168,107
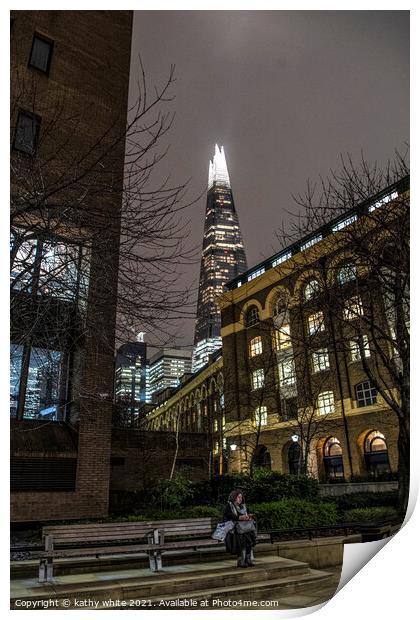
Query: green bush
x,y
373,514
291,513
264,486
366,500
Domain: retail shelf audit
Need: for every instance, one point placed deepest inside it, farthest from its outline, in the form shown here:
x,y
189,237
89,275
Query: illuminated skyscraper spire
x,y
223,258
218,172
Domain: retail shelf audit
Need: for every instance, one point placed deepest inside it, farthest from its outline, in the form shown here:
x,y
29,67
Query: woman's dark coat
x,y
234,541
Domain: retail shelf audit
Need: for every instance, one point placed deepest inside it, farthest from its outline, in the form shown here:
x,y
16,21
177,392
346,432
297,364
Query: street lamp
x,y
295,438
233,447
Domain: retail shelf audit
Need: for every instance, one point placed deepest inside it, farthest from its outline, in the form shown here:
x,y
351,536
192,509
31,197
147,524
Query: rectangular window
x,y
281,259
23,251
281,338
258,379
383,201
256,273
42,389
41,53
316,323
16,354
26,133
353,308
287,373
325,403
261,416
355,351
310,242
255,347
320,360
343,223
365,394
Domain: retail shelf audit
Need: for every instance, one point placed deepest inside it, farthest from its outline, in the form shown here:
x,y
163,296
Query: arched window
x,y
333,459
376,453
346,273
262,457
252,316
311,289
295,458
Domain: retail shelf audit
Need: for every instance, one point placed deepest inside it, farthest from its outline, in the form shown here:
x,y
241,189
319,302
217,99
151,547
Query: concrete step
x,y
192,581
246,596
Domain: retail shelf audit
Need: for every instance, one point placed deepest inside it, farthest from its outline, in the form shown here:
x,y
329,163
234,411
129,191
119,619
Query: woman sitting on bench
x,y
243,537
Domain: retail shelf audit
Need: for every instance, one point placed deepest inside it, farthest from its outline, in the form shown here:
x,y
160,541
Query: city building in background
x,y
223,258
131,374
166,369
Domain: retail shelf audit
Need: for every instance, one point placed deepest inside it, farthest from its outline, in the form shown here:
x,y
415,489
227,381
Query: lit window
x,y
355,349
41,378
41,53
353,308
261,416
255,346
346,273
252,317
311,289
23,251
256,273
343,223
383,201
26,133
316,323
281,259
365,394
257,379
281,338
287,374
325,403
320,360
310,242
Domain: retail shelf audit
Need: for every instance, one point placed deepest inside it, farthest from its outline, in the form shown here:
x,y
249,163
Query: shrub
x,y
373,514
172,493
291,513
264,486
384,476
366,500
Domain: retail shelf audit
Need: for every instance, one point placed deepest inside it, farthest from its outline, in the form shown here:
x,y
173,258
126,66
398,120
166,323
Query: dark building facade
x,y
223,258
69,84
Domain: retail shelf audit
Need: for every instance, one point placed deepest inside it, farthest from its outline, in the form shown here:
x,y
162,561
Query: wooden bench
x,y
101,539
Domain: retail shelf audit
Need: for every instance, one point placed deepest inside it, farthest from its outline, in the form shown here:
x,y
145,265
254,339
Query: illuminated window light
x,y
281,259
343,223
310,242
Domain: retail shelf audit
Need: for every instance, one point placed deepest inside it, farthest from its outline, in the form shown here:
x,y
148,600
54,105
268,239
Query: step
x,y
268,590
170,582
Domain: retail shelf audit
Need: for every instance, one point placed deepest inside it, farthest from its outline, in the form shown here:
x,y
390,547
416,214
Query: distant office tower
x,y
130,374
166,368
223,258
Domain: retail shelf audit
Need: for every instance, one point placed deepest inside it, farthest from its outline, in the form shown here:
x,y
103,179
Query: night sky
x,y
285,92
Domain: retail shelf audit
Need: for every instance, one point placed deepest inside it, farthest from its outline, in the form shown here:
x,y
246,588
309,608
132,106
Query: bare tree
x,y
64,221
366,298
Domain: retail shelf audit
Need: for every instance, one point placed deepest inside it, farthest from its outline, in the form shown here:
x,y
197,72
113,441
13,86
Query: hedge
x,y
366,500
291,513
263,486
376,513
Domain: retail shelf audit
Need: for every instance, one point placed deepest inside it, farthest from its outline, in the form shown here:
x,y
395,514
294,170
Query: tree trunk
x,y
403,464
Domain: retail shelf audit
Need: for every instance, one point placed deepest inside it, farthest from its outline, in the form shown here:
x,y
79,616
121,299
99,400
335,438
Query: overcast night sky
x,y
285,92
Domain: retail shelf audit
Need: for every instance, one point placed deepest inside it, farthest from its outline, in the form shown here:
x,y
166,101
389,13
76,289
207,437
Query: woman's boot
x,y
249,558
242,559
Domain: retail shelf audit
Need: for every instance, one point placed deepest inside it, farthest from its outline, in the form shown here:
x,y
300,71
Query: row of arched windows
x,y
375,456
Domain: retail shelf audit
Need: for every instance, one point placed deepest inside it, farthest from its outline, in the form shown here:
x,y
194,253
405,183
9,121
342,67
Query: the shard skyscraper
x,y
223,258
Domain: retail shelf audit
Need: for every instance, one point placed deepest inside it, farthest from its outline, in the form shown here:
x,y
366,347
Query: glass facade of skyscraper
x,y
223,258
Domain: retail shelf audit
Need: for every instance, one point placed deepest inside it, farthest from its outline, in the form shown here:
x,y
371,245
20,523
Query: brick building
x,y
69,81
307,337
